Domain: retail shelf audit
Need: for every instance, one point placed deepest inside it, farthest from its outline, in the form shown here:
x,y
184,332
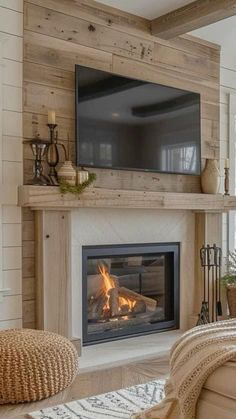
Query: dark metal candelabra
x,y
38,148
211,260
52,154
226,183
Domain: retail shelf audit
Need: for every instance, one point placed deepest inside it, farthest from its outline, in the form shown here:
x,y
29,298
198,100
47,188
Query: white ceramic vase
x,y
210,177
67,173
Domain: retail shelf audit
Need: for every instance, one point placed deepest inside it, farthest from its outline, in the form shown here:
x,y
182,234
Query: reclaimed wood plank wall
x,y
58,35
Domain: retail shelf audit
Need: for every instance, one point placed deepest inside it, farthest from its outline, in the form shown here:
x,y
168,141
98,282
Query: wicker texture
x,y
231,297
34,365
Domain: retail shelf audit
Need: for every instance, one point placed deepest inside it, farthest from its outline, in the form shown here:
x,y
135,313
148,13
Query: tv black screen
x,y
122,123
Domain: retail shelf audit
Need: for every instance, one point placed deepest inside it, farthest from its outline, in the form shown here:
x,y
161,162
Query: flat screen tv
x,y
124,123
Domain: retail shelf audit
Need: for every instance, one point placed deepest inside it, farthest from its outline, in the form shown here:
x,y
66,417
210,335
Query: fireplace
x,y
129,290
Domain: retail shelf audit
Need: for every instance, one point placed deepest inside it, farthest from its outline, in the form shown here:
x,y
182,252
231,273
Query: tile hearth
x,y
116,353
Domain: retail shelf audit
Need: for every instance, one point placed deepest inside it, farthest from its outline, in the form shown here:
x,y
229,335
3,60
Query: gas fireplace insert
x,y
129,290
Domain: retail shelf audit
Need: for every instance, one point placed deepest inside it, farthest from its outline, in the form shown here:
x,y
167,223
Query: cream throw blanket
x,y
193,358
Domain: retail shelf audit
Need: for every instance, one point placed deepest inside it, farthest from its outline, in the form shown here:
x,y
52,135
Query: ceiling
x,y
146,8
222,33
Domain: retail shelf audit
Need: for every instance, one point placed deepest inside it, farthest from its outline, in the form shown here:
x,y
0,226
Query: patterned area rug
x,y
118,404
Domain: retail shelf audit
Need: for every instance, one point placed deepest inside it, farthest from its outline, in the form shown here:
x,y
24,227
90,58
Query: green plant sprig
x,y
65,187
230,276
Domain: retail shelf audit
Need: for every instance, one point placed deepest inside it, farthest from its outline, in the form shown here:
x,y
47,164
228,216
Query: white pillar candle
x,y
226,163
82,176
51,117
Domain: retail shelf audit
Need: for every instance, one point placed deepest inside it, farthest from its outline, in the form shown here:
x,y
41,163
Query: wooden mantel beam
x,y
194,15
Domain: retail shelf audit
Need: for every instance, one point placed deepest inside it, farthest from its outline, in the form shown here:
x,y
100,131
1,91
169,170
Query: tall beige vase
x,y
210,177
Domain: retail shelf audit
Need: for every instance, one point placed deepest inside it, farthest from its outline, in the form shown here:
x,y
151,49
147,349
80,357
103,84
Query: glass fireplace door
x,y
129,290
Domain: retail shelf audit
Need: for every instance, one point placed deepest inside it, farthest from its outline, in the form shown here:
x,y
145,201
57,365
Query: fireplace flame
x,y
126,302
109,284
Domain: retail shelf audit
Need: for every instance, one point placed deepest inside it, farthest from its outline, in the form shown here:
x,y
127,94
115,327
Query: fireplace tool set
x,y
211,259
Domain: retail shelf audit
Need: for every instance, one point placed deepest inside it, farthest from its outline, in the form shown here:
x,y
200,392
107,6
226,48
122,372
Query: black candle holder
x,y
52,154
38,148
226,183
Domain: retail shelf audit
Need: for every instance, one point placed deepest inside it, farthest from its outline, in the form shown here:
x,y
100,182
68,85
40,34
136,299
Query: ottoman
x,y
34,365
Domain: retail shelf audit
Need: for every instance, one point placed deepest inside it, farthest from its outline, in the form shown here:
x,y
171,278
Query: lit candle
x,y
52,117
226,163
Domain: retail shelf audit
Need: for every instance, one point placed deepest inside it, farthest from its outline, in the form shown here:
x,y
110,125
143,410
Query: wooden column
x,y
53,311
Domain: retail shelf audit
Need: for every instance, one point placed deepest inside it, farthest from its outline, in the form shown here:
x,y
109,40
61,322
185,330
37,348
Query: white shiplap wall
x,y
11,160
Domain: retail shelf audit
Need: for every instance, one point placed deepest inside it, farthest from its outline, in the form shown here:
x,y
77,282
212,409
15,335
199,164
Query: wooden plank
x,y
39,98
37,50
29,313
53,279
51,198
101,14
144,181
98,13
49,76
210,148
41,49
230,202
78,31
28,231
120,179
28,268
196,46
210,110
28,289
190,62
28,250
39,270
194,15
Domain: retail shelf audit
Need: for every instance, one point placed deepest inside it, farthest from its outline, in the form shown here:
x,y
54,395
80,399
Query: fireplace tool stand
x,y
211,260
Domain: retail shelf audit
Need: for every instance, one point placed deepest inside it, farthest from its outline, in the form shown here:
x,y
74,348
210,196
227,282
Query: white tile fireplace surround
x,y
131,226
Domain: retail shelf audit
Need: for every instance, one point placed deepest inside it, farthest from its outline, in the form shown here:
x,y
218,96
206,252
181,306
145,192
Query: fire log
x,y
124,310
151,304
114,302
96,306
140,307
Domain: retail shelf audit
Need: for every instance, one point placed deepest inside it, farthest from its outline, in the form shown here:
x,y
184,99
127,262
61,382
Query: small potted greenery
x,y
229,280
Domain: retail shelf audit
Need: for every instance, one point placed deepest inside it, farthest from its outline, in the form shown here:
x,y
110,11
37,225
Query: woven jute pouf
x,y
34,365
